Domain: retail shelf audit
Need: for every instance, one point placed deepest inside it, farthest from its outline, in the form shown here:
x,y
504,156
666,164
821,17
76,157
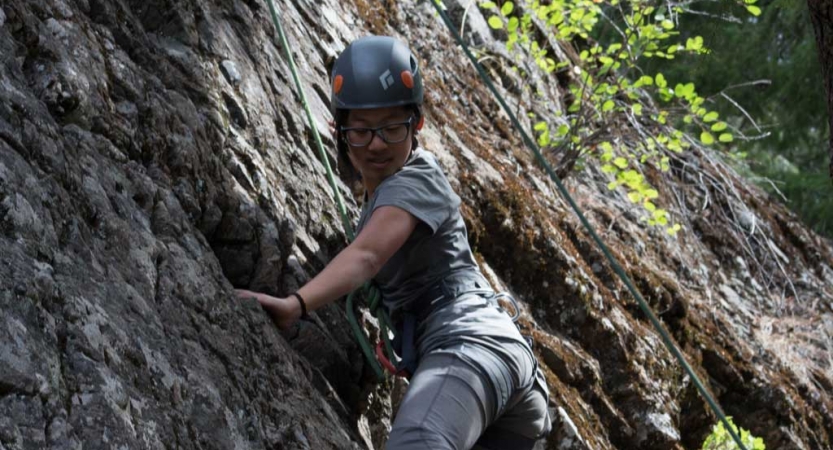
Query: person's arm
x,y
386,231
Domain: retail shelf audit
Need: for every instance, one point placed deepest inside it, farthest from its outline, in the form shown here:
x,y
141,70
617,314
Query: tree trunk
x,y
821,13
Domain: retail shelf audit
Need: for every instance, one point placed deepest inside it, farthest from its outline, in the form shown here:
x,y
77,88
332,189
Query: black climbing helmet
x,y
375,72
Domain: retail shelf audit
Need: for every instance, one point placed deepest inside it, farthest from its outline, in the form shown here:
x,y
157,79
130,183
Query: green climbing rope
x,y
666,338
342,209
372,293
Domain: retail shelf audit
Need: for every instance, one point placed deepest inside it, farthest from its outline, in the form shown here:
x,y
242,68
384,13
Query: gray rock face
x,y
130,203
154,155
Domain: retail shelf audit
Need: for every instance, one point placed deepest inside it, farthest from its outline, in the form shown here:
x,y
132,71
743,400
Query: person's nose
x,y
376,142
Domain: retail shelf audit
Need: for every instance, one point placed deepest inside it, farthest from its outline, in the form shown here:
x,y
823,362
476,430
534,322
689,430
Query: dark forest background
x,y
763,75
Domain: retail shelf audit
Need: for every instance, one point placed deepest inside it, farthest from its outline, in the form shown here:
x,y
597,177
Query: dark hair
x,y
349,173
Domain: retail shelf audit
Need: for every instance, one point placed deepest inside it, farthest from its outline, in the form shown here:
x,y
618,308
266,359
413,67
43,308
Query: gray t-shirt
x,y
439,244
437,248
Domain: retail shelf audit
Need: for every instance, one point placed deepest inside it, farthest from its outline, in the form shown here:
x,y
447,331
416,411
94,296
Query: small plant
x,y
720,439
615,113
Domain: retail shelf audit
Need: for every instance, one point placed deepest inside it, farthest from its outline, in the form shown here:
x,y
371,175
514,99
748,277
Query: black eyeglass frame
x,y
377,131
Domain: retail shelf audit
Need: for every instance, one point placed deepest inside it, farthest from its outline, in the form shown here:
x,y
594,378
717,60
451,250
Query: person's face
x,y
377,159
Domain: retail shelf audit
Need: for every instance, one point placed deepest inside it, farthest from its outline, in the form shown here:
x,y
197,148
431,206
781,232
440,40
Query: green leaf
x,y
507,8
563,130
711,117
707,138
720,437
607,168
637,109
660,80
754,10
608,105
621,163
684,90
495,23
694,44
651,194
544,138
540,126
488,5
678,90
635,197
632,177
726,137
719,126
688,91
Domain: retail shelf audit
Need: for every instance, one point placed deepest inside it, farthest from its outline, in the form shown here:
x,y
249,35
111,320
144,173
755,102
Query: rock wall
x,y
154,154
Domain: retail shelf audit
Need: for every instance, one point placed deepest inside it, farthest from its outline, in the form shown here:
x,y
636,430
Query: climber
x,y
475,382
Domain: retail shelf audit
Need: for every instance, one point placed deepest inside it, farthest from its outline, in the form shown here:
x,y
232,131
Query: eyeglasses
x,y
392,133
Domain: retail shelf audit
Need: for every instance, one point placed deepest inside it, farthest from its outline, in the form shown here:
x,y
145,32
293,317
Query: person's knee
x,y
416,438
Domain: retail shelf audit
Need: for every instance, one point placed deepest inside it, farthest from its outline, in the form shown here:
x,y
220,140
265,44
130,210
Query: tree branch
x,y
821,14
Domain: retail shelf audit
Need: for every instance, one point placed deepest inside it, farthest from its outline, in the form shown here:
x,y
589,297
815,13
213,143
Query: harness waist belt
x,y
407,321
444,292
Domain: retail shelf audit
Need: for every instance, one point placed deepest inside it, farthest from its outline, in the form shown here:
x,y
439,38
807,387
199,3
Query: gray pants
x,y
469,396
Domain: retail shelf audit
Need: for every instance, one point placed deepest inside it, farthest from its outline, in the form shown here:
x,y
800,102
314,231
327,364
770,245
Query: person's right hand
x,y
283,311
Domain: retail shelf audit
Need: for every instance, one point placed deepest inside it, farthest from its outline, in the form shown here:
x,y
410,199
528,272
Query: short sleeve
x,y
421,189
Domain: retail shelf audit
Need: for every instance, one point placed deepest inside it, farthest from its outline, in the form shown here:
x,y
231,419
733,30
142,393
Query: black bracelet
x,y
304,314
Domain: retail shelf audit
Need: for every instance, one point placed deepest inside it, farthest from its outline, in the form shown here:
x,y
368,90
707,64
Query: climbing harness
x,y
666,338
438,296
517,310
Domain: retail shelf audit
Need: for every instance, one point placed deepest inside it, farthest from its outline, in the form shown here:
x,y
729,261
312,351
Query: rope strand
x,y
364,343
